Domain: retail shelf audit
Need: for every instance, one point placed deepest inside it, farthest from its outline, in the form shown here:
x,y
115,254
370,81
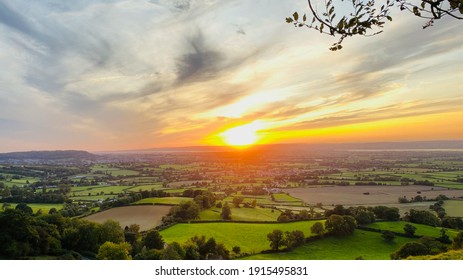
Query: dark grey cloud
x,y
200,62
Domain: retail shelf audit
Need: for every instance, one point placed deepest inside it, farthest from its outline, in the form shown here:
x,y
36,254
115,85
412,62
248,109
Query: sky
x,y
103,75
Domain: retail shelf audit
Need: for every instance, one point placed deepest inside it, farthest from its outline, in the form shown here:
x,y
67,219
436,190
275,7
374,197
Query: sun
x,y
244,135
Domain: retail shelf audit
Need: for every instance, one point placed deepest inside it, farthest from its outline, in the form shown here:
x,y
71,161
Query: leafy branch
x,y
367,17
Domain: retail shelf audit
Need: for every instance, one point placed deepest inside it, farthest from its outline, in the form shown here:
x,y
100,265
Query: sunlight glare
x,y
243,135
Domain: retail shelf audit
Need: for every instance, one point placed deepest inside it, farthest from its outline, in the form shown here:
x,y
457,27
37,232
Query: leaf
x,y
296,16
304,18
423,4
289,20
461,9
389,18
454,4
331,11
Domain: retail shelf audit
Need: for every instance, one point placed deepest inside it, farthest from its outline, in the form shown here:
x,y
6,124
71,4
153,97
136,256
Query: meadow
x,y
44,207
454,208
362,244
164,200
242,214
250,237
422,230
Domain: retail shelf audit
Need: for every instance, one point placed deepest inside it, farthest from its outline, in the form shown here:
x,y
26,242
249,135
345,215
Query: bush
x,y
410,249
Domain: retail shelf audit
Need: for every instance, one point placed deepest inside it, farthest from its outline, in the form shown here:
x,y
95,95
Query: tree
x,y
276,239
253,203
409,230
113,251
222,253
185,211
294,238
365,217
444,238
191,251
173,251
226,212
132,233
368,17
423,217
457,243
304,215
153,240
318,229
236,250
24,208
111,231
388,235
237,200
410,249
340,225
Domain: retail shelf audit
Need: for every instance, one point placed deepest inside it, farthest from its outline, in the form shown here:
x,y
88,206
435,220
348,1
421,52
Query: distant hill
x,y
48,155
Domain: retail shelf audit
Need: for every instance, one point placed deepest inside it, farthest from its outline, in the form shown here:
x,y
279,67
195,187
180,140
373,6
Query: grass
x,y
145,188
282,197
96,190
182,190
420,229
114,170
252,238
45,207
365,244
92,197
164,200
264,200
454,208
242,214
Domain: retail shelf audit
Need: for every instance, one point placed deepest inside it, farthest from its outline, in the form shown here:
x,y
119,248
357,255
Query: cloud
x,y
392,111
200,62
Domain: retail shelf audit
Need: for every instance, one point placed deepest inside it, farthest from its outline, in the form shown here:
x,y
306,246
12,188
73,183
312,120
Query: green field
x,y
420,229
251,237
454,208
242,214
181,190
145,188
285,198
97,190
45,207
114,171
164,200
92,197
262,200
364,244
